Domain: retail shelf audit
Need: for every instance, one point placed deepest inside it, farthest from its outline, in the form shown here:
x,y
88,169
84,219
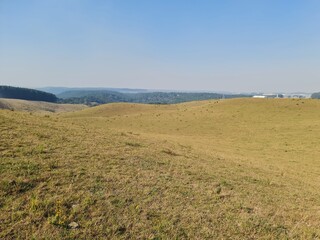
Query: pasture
x,y
229,169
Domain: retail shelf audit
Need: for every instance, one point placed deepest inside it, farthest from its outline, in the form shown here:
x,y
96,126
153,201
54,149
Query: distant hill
x,y
26,94
97,96
60,90
91,93
104,96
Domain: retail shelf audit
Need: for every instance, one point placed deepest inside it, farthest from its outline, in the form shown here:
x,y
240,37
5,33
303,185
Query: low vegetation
x,y
229,169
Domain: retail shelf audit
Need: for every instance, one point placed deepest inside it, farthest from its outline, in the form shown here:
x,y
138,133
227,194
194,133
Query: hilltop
x,y
38,106
219,169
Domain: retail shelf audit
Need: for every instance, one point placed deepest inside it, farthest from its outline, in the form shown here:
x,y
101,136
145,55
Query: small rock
x,y
121,230
218,190
74,225
76,207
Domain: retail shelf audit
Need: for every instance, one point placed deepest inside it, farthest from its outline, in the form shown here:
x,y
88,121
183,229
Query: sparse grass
x,y
36,106
170,152
233,169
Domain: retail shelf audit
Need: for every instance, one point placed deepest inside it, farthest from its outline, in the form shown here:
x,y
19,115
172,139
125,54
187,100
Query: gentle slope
x,y
231,169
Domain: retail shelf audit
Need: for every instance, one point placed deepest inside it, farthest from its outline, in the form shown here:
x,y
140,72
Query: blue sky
x,y
229,45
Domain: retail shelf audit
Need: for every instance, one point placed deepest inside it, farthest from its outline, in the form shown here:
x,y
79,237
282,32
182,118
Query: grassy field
x,y
230,169
39,107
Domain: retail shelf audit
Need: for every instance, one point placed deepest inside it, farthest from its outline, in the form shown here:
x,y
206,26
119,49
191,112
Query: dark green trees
x,y
26,94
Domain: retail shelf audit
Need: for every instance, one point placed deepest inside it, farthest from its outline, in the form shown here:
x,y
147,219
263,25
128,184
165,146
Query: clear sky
x,y
216,45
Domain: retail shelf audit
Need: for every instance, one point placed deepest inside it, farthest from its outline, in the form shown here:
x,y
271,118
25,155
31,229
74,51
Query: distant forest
x,y
316,95
26,94
97,97
101,97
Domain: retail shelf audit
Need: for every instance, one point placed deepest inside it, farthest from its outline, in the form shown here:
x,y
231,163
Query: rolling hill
x,y
61,90
227,169
38,106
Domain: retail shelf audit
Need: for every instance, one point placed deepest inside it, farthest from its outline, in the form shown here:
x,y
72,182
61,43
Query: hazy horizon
x,y
72,88
232,46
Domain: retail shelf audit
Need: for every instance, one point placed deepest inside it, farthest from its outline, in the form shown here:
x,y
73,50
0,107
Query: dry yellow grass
x,y
36,106
231,169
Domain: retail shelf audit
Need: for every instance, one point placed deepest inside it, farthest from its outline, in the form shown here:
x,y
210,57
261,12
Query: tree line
x,y
26,94
102,97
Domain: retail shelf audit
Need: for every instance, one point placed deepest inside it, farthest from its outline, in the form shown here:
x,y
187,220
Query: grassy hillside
x,y
231,169
36,106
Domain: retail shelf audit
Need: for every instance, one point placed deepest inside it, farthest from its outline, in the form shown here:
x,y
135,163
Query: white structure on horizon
x,y
259,96
269,95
